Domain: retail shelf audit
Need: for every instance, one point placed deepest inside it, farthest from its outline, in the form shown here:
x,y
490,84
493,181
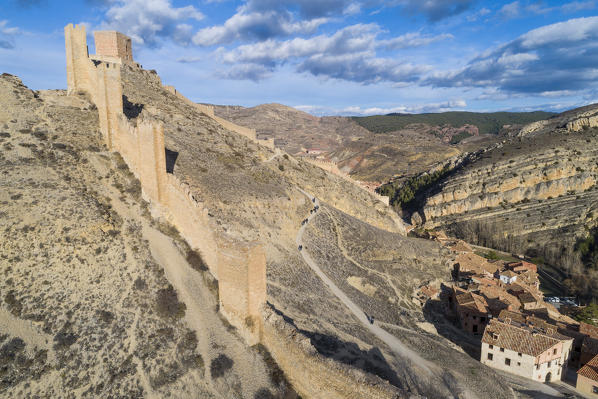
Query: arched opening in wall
x,y
548,377
171,157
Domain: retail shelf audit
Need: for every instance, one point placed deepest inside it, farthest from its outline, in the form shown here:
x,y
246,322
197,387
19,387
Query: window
x,y
549,363
519,354
537,366
490,356
502,349
508,361
474,317
594,389
482,319
490,346
475,328
518,363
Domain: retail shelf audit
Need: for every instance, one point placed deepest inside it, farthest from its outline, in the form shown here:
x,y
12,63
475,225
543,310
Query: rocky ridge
x,y
536,193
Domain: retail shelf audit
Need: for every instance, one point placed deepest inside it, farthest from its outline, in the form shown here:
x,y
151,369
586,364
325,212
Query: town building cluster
x,y
501,303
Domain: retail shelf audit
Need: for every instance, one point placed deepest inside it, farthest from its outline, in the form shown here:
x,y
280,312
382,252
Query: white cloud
x,y
355,110
349,54
189,60
554,58
7,35
245,72
255,25
145,21
414,39
511,10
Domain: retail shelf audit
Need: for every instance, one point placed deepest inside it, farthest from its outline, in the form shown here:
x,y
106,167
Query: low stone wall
x,y
242,130
208,110
332,167
313,375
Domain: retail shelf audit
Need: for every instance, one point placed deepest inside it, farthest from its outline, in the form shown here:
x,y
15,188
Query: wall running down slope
x,y
242,272
240,267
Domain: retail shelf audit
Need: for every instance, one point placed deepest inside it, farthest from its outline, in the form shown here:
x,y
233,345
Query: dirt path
x,y
213,335
352,260
393,343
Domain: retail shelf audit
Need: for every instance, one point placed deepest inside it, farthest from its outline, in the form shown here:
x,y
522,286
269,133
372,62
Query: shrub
x,y
168,305
220,365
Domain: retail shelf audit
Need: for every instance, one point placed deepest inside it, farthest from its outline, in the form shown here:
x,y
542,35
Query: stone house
x,y
524,351
507,276
587,378
471,310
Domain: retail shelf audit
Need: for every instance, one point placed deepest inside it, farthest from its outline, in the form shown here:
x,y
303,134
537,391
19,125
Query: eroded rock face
x,y
532,189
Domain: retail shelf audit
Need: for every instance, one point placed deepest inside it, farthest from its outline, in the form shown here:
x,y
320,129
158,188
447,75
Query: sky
x,y
331,57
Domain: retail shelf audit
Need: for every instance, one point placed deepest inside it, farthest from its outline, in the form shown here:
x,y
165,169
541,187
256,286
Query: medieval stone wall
x,y
313,375
332,167
239,267
113,44
209,110
243,287
241,282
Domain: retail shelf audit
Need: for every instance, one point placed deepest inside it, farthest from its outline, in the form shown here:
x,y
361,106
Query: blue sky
x,y
348,57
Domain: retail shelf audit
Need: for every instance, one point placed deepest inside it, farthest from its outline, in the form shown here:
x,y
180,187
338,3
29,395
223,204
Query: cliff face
x,y
537,189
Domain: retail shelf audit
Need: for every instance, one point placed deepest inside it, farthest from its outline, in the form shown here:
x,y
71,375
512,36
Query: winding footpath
x,y
393,342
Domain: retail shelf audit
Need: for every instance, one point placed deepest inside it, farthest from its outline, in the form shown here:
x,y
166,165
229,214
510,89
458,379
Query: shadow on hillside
x,y
171,157
435,313
349,353
131,110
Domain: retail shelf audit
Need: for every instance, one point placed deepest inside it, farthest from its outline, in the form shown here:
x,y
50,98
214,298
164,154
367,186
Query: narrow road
x,y
393,342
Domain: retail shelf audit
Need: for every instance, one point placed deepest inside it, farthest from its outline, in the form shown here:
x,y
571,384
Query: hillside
x,y
536,194
409,149
486,123
292,129
100,299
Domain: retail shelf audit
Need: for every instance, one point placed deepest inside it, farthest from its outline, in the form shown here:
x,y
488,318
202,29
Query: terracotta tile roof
x,y
523,265
461,246
590,370
429,291
518,339
526,297
590,345
475,263
588,329
508,273
472,301
497,293
561,326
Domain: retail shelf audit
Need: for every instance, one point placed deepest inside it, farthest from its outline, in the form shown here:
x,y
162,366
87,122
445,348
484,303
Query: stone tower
x,y
110,43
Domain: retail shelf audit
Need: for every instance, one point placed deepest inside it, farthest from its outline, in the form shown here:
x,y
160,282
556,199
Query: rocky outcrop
x,y
531,189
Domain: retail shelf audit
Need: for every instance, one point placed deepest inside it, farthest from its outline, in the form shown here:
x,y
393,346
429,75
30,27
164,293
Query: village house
x,y
471,311
525,351
587,378
507,276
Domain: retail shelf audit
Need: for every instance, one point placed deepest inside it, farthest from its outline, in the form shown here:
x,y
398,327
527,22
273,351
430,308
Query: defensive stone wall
x,y
242,280
315,376
332,167
113,44
240,267
209,110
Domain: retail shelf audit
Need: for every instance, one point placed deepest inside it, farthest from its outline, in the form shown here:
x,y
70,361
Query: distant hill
x,y
534,194
375,148
487,123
